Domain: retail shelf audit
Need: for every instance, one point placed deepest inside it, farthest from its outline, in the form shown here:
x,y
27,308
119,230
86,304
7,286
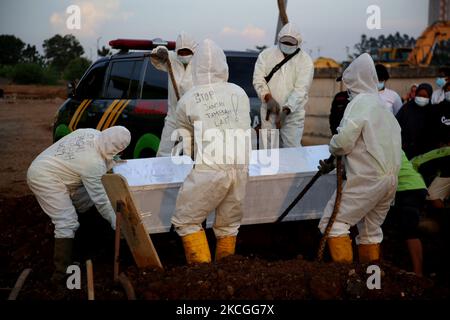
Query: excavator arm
x,y
422,53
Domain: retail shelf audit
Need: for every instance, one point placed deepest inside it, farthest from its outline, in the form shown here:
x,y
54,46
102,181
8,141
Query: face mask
x,y
421,101
447,96
380,85
287,49
185,59
350,95
440,82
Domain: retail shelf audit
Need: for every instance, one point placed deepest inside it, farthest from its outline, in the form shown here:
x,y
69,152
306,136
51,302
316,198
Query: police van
x,y
126,89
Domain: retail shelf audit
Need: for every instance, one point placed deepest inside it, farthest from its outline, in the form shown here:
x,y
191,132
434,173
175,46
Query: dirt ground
x,y
25,131
273,261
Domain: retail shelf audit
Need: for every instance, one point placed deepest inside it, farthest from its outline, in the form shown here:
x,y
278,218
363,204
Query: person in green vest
x,y
409,202
434,166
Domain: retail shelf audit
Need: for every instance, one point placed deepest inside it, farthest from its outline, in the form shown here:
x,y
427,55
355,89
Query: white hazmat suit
x,y
67,176
289,86
369,140
213,112
183,77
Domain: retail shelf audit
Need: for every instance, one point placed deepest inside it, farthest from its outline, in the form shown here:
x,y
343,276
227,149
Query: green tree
x,y
31,55
371,45
28,73
76,68
10,49
104,52
60,50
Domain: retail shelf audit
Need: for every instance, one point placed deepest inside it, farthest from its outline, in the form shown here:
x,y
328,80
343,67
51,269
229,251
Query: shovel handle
x,y
302,193
171,75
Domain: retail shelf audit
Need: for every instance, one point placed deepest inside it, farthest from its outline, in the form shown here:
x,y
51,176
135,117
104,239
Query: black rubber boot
x,y
62,258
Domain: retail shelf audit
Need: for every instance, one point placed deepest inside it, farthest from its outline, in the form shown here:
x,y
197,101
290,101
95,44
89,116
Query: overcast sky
x,y
327,26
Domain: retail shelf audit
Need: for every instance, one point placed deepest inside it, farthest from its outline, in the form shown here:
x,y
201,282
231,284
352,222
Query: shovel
x,y
302,193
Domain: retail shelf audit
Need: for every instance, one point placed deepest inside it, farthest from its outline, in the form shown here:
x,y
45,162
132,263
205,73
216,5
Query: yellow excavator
x,y
436,35
326,63
434,38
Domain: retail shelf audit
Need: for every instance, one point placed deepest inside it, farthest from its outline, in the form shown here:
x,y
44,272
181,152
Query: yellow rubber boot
x,y
341,249
369,252
225,247
196,247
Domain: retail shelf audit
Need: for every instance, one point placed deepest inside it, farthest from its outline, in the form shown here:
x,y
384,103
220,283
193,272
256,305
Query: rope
x,y
323,241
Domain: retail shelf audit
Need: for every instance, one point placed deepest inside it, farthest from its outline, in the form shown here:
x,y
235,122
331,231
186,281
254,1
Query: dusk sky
x,y
327,26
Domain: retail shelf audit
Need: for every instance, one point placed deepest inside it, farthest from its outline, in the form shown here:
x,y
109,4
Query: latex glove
x,y
272,107
162,54
117,159
326,166
281,117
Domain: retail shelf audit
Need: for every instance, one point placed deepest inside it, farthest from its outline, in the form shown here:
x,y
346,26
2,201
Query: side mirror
x,y
71,89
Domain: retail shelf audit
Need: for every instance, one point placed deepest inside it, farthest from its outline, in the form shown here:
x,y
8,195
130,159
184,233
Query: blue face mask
x,y
380,85
440,82
287,49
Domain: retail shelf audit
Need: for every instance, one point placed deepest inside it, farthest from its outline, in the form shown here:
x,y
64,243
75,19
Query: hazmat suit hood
x,y
112,141
361,76
185,41
209,64
290,30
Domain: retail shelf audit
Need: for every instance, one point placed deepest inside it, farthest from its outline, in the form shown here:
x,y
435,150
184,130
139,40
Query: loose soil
x,y
273,261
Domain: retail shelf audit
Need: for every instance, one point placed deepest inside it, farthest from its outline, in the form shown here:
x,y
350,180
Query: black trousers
x,y
408,205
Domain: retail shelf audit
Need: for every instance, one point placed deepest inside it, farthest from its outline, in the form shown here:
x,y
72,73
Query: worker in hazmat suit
x,y
282,78
66,177
369,140
181,66
217,115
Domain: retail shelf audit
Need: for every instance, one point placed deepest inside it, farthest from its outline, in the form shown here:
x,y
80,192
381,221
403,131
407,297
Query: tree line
x,y
62,60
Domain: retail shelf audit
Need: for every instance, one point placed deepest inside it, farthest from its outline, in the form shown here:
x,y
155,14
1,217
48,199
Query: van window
x,y
241,73
123,81
92,84
135,80
155,83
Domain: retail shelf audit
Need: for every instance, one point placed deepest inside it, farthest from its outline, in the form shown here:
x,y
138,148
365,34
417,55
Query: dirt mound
x,y
271,267
245,278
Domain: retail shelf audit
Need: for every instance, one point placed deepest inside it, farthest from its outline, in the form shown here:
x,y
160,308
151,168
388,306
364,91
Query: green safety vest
x,y
408,177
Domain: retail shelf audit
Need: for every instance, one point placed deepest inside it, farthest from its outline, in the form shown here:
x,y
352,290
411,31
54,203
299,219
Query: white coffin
x,y
275,180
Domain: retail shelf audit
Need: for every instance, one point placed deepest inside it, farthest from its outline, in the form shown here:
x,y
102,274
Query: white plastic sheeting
x,y
276,177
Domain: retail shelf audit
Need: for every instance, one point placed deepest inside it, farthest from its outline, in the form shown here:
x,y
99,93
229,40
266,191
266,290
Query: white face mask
x,y
421,101
185,59
287,49
380,85
447,96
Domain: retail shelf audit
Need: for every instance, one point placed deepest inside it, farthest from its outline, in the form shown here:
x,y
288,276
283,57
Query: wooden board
x,y
138,239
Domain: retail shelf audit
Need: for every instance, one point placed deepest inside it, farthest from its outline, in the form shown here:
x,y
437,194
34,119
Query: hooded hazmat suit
x,y
289,86
217,115
183,77
369,140
67,176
